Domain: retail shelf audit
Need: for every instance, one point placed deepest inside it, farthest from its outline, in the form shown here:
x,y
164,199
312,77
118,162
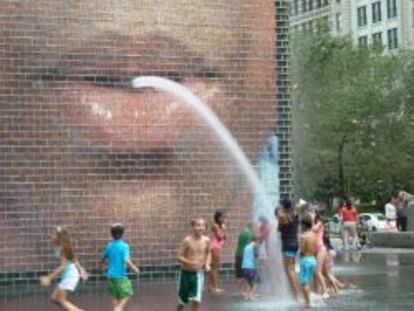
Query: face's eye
x,y
107,81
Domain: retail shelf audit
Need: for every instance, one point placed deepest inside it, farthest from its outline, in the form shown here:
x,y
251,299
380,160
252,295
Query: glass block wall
x,y
80,148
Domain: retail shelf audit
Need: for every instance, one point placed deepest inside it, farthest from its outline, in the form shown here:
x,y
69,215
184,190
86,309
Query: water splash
x,y
211,119
262,205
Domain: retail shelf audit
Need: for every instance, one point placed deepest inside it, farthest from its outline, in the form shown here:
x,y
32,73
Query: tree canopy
x,y
353,125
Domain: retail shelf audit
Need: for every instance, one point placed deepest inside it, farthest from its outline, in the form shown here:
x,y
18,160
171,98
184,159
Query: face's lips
x,y
101,107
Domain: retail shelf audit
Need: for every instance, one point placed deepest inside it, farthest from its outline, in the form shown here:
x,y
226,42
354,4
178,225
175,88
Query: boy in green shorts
x,y
118,256
194,257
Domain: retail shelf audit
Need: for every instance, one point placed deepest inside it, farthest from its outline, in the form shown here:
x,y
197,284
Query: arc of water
x,y
213,121
230,143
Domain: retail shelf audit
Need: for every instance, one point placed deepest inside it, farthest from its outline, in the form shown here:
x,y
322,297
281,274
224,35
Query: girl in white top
x,y
69,270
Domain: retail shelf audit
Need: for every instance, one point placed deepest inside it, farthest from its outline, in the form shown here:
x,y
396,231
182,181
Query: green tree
x,y
352,117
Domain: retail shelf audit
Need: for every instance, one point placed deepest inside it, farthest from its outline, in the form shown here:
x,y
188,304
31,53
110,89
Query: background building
x,y
386,22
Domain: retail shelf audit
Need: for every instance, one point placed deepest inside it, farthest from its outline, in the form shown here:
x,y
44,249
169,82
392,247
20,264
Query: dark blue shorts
x,y
250,275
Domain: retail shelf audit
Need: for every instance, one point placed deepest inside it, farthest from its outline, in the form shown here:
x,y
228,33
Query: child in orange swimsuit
x,y
321,252
217,242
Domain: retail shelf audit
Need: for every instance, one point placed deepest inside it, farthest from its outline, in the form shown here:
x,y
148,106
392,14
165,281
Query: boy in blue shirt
x,y
118,256
249,267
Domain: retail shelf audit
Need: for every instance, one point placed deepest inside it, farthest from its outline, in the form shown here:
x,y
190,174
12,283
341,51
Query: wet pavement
x,y
377,279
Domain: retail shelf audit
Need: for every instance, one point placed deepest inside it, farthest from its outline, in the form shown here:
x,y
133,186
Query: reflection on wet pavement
x,y
381,280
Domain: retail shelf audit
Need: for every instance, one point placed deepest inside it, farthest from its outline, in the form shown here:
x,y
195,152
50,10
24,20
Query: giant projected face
x,y
81,148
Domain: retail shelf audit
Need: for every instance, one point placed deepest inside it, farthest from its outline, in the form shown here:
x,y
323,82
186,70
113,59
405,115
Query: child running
x,y
69,270
249,266
308,246
117,255
244,238
194,257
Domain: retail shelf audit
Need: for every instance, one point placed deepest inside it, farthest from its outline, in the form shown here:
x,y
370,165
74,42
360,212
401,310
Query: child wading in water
x,y
334,283
321,253
249,266
244,238
194,257
69,270
118,256
217,242
308,247
288,224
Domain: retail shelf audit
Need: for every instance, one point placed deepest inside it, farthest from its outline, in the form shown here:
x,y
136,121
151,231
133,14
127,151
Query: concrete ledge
x,y
392,239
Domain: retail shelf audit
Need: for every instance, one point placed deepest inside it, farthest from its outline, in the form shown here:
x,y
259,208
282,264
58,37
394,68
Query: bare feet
x,y
252,298
215,290
325,295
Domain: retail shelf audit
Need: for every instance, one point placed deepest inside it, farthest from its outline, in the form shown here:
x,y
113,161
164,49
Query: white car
x,y
373,221
334,225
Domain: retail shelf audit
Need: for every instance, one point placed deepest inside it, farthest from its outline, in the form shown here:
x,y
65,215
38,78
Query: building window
x,y
310,26
321,3
338,21
391,8
304,27
377,38
363,41
310,5
376,12
296,7
304,6
392,39
362,16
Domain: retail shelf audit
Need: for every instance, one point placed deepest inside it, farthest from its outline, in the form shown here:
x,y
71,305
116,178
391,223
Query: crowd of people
x,y
354,232
302,232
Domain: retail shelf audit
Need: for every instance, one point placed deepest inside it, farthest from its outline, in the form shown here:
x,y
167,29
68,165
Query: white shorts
x,y
69,283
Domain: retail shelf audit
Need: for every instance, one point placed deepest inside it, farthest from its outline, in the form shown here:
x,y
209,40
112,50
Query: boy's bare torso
x,y
308,244
195,250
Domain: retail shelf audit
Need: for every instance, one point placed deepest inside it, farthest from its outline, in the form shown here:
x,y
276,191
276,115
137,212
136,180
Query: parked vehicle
x,y
334,225
373,222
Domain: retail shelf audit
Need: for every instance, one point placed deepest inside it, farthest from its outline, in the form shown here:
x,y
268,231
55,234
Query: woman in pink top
x,y
321,253
217,242
349,216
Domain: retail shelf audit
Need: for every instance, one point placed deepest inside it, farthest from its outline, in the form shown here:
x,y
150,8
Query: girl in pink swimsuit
x,y
217,242
318,229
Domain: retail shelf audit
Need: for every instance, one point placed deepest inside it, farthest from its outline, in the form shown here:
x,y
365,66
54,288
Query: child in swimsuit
x,y
217,243
308,241
334,283
288,224
321,253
